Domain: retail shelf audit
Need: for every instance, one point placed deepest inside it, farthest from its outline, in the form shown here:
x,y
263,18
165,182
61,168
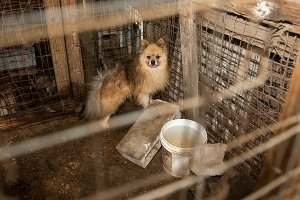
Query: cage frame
x,y
70,78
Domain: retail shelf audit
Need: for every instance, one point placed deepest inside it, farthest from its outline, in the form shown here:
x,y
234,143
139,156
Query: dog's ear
x,y
144,44
161,43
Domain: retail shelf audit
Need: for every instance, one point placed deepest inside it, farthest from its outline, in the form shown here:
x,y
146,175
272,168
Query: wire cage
x,y
225,40
169,29
39,74
27,72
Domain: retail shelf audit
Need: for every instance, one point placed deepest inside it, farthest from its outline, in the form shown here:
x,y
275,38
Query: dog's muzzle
x,y
153,63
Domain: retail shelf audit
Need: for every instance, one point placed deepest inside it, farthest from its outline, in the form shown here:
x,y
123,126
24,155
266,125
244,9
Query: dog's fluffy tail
x,y
91,108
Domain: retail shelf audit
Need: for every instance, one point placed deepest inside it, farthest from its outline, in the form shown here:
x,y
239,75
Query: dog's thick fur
x,y
147,74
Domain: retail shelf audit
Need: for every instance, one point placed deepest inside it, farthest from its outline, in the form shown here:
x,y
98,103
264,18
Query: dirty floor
x,y
72,170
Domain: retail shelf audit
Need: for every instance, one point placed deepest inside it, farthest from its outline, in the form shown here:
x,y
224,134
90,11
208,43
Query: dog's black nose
x,y
152,62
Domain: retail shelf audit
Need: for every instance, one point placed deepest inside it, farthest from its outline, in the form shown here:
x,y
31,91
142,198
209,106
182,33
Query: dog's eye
x,y
157,57
148,57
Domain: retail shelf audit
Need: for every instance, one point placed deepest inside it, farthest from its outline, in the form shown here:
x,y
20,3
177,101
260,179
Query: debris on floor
x,y
141,143
207,159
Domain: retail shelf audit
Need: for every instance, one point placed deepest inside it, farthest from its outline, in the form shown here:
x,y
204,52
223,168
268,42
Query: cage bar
x,y
73,48
190,62
58,48
211,50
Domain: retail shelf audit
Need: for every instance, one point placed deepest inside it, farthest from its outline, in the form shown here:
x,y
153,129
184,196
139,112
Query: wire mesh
x,y
169,30
223,50
105,49
26,71
28,80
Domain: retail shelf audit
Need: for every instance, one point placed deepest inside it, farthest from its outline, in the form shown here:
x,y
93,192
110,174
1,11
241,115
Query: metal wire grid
x,y
19,6
223,53
169,30
26,71
103,50
116,44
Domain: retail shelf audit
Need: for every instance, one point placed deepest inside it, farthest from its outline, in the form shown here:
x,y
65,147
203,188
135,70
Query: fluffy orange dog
x,y
148,74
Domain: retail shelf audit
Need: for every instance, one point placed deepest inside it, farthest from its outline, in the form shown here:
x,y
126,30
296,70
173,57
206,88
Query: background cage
x,y
48,77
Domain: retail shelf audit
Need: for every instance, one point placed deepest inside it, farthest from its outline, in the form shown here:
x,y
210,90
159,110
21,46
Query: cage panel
x,y
169,30
231,49
27,78
226,42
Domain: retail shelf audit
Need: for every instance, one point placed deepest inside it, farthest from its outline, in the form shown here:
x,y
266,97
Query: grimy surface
x,y
141,142
70,170
83,167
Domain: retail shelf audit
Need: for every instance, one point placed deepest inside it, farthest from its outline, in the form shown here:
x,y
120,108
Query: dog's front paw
x,y
151,101
104,122
144,100
145,105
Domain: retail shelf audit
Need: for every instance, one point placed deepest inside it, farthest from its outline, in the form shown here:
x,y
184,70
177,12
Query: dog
x,y
147,74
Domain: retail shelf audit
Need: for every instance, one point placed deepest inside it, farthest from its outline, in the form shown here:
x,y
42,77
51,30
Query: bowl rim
x,y
181,122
